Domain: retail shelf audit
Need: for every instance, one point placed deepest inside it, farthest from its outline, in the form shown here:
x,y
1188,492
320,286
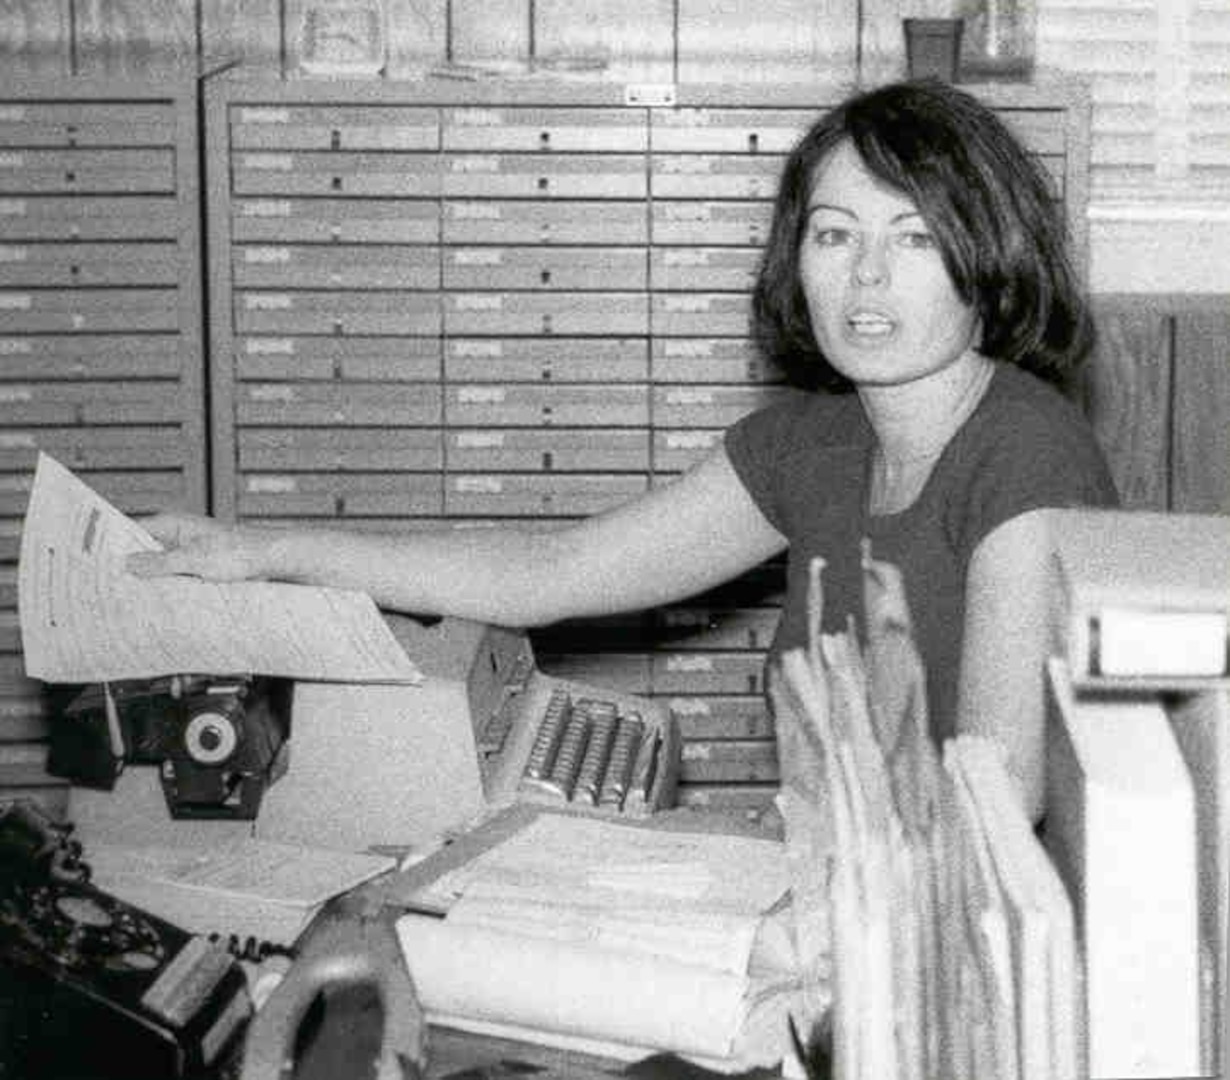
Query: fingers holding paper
x,y
199,547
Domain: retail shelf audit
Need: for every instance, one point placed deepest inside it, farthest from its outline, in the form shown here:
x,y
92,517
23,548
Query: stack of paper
x,y
616,939
953,950
860,784
242,887
1014,1005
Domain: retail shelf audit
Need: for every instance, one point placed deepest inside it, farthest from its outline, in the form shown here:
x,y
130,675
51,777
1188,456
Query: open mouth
x,y
870,324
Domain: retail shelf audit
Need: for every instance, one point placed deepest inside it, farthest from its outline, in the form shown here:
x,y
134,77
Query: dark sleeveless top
x,y
806,463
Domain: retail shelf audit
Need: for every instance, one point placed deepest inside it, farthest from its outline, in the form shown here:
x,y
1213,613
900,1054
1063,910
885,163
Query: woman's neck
x,y
916,420
913,422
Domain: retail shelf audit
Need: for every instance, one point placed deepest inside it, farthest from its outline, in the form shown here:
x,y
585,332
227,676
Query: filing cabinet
x,y
101,359
464,303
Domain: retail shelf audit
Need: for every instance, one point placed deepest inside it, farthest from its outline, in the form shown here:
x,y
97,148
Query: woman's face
x,y
883,309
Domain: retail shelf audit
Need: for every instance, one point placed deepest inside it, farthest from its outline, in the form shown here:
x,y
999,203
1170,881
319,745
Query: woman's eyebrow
x,y
817,208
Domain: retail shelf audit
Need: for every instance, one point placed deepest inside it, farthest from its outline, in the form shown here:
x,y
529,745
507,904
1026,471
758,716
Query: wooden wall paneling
x,y
1201,465
483,31
881,40
135,37
635,39
246,30
774,41
38,33
1126,392
415,34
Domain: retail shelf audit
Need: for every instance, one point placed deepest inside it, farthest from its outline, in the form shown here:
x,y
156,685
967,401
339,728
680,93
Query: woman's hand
x,y
201,547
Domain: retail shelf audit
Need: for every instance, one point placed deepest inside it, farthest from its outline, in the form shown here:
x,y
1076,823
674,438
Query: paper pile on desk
x,y
242,887
614,939
952,938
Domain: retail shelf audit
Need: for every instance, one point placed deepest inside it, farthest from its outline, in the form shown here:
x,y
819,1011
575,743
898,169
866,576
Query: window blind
x,y
1209,121
1159,72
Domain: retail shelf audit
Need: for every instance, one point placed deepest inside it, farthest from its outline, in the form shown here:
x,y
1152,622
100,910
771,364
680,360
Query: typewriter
x,y
390,765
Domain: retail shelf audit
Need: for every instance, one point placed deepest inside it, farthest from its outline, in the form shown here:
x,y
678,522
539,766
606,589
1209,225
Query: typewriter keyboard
x,y
588,753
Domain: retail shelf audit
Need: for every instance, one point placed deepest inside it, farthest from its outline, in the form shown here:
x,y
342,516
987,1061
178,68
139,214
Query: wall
x,y
644,40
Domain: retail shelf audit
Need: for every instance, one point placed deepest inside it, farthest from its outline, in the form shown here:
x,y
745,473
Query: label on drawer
x,y
696,751
480,485
267,302
688,663
687,211
266,255
479,302
275,392
481,395
476,164
694,117
271,485
10,394
13,254
477,348
12,207
17,440
11,114
683,706
269,347
686,165
688,348
689,397
478,117
690,440
266,208
264,116
478,258
12,161
15,302
474,211
685,257
480,440
16,347
269,162
687,303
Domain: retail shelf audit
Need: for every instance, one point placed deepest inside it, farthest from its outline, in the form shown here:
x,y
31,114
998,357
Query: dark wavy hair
x,y
988,202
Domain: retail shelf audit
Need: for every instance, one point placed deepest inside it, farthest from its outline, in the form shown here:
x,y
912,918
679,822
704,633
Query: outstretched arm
x,y
673,542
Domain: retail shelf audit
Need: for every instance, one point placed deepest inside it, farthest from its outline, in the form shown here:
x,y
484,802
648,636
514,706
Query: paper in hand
x,y
84,618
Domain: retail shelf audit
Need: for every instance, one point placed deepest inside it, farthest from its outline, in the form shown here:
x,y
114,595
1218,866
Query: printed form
x,y
84,618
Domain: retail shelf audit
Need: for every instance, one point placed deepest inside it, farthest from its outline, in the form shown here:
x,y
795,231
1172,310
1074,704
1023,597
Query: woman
x,y
916,282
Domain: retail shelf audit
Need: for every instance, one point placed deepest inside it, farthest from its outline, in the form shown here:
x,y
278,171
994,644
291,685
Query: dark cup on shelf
x,y
933,47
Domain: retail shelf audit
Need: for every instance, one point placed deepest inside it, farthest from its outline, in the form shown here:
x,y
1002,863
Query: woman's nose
x,y
871,265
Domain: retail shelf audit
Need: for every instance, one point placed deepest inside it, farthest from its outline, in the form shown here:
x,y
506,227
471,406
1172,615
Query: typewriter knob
x,y
211,738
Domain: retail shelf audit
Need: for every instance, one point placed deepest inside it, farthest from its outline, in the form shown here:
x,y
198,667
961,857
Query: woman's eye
x,y
916,238
833,236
